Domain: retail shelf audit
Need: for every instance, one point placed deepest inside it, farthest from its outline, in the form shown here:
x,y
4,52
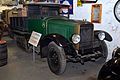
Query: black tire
x,y
105,72
56,58
109,71
104,50
22,42
116,53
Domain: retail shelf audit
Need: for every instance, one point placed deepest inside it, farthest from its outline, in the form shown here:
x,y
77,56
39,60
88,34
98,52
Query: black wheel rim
x,y
53,60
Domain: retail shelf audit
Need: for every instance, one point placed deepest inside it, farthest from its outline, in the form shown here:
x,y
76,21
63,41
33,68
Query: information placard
x,y
34,38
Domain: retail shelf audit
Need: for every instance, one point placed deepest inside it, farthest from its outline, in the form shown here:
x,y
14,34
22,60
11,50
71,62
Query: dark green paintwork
x,y
36,25
63,27
52,25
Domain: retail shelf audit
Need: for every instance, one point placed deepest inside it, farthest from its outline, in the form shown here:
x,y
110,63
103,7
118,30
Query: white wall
x,y
108,23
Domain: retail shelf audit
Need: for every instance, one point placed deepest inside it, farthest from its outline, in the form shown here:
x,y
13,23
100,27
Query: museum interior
x,y
59,39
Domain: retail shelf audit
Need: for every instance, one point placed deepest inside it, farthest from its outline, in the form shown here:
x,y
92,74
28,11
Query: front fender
x,y
60,41
108,37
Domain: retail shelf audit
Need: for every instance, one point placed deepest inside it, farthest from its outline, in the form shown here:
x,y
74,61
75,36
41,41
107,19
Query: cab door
x,y
37,25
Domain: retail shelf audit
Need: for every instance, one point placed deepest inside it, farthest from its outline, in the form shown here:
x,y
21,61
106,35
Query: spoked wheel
x,y
104,50
56,58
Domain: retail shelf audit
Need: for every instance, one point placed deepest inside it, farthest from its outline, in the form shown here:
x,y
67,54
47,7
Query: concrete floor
x,y
21,67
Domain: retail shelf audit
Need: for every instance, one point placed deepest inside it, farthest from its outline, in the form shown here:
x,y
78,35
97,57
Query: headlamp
x,y
101,35
76,38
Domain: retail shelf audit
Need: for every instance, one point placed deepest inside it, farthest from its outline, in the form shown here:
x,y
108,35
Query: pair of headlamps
x,y
76,37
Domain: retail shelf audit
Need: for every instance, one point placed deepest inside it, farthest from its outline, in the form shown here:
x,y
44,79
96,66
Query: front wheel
x,y
103,50
56,58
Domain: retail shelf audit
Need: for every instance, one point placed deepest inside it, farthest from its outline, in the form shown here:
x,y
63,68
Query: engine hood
x,y
60,19
62,25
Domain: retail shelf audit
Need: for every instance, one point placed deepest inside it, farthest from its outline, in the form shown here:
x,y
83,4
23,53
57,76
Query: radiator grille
x,y
86,33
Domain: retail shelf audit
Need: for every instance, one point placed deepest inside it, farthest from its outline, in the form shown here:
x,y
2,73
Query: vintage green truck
x,y
63,40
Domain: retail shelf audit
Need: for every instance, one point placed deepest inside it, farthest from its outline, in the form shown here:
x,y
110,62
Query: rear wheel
x,y
56,58
22,42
